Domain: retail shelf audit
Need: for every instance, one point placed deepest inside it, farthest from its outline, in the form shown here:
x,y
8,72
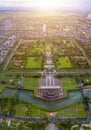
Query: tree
x,y
65,125
1,104
20,126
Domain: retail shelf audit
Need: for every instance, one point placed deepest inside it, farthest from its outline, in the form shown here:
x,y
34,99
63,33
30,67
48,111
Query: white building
x,y
44,28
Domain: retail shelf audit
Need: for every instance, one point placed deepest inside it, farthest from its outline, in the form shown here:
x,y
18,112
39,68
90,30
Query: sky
x,y
47,4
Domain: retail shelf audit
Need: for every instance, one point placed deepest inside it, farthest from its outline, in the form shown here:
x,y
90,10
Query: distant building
x,y
89,16
44,28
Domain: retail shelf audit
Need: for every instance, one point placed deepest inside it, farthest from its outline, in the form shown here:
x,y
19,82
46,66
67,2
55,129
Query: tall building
x,y
44,28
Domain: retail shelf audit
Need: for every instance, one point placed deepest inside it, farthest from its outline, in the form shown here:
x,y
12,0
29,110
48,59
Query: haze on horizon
x,y
46,4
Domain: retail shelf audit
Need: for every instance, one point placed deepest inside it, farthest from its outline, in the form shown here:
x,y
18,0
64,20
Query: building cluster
x,y
17,26
6,47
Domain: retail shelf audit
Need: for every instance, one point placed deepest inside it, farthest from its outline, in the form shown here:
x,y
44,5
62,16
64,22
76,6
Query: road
x,y
55,119
83,52
11,55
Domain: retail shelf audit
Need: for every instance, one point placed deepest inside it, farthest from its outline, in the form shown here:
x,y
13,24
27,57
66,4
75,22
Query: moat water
x,y
27,96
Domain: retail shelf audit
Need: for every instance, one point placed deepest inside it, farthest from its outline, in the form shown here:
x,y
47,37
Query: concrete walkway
x,y
81,128
51,126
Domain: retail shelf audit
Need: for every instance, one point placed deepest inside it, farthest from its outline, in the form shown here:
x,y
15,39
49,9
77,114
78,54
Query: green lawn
x,y
68,84
77,128
27,83
85,128
31,84
33,63
3,128
73,110
48,47
2,87
6,82
64,62
21,110
87,86
20,53
36,49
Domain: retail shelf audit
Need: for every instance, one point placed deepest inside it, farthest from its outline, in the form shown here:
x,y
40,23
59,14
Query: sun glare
x,y
42,4
47,4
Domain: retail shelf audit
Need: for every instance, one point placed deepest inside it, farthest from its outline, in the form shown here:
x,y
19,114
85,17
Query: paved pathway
x,y
81,128
51,126
44,119
77,126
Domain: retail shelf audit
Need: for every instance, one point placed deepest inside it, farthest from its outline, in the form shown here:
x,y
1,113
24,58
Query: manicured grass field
x,y
3,128
74,110
22,109
33,63
68,84
39,50
31,84
48,47
2,87
19,53
4,82
64,62
12,82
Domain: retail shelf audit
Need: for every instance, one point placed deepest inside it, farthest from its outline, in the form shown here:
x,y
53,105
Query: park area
x,y
67,55
28,106
29,110
20,108
25,109
13,82
31,84
20,125
33,63
63,62
73,110
6,81
31,55
69,84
